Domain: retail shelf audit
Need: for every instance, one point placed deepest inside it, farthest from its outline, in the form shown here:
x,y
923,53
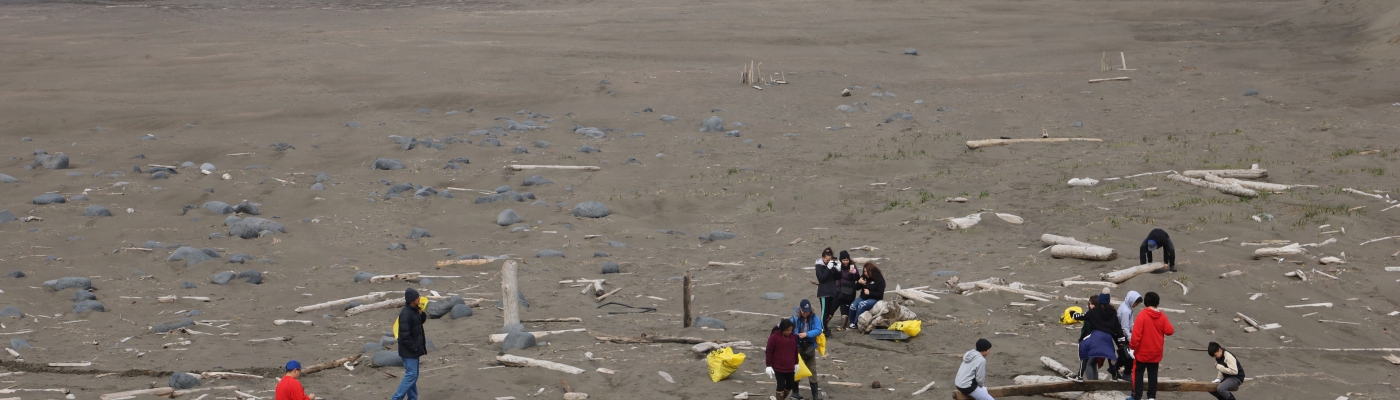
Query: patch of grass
x,y
1378,171
925,196
984,194
1343,153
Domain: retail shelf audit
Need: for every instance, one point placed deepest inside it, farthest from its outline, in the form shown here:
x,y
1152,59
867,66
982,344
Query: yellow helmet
x,y
1067,318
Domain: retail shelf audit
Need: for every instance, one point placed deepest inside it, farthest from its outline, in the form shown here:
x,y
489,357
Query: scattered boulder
x,y
75,282
188,285
6,216
1251,92
223,278
87,306
460,311
12,312
96,211
518,341
353,304
438,308
253,227
232,219
51,161
536,180
503,189
599,254
189,255
487,199
719,235
371,346
387,164
387,358
361,276
182,381
507,218
419,233
611,268
590,150
398,246
616,244
708,322
911,51
246,208
7,179
252,276
712,124
168,326
398,188
240,258
546,253
218,207
541,144
80,295
591,209
49,198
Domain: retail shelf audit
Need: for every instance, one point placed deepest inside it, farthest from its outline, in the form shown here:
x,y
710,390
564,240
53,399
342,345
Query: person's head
x,y
1151,299
1105,299
293,368
872,271
784,327
804,309
1215,350
828,255
846,258
1093,301
410,297
1151,245
984,346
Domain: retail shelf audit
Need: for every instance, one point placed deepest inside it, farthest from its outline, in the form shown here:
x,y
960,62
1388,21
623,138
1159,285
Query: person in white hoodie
x,y
1124,366
972,374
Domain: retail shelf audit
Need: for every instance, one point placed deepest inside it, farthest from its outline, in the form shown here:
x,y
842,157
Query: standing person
x,y
870,290
1150,332
781,357
1099,343
1158,238
1228,372
1124,368
848,290
972,374
412,344
808,326
828,283
289,388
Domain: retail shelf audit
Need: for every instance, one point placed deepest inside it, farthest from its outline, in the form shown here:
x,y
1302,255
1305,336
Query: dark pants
x,y
843,305
1124,365
1151,371
808,356
1222,391
1089,369
786,381
828,305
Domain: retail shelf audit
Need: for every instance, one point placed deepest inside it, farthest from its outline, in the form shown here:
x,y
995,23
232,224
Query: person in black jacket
x,y
1102,318
847,290
870,290
828,285
1158,238
412,344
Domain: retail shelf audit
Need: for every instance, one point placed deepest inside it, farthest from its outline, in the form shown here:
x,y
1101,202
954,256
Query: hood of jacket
x,y
1151,313
970,356
1125,311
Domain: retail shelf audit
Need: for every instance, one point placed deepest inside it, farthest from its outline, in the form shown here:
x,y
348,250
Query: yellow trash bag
x,y
1067,318
910,327
724,362
422,305
802,371
821,344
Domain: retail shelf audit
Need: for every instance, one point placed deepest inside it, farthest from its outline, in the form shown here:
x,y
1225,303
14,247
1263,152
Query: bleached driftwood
x,y
501,337
914,294
1231,273
724,264
1330,260
964,222
564,167
1092,253
1215,240
1228,173
570,319
926,388
281,322
957,286
517,361
1083,182
510,294
1091,283
228,375
383,305
707,347
341,302
1029,380
1235,190
71,364
1354,191
1328,305
1057,367
329,364
469,263
1375,240
407,276
1123,275
973,144
273,339
1011,218
1289,250
1246,184
1009,289
160,391
1248,320
1051,240
1121,78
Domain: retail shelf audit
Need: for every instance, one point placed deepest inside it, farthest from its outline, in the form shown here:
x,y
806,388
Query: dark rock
x,y
492,142
75,282
168,326
282,146
424,193
363,276
719,235
536,180
96,211
507,218
218,207
188,285
438,308
591,209
87,306
541,144
246,208
322,177
945,108
182,381
12,312
80,197
49,198
1250,92
51,161
1077,124
772,296
707,322
189,255
398,188
616,244
911,51
712,124
160,175
253,227
387,164
80,295
251,276
210,252
520,150
668,118
489,199
599,254
398,246
319,186
590,149
7,179
371,346
353,124
6,216
518,341
15,274
611,268
418,233
546,253
460,311
512,328
353,304
388,358
223,278
207,167
503,189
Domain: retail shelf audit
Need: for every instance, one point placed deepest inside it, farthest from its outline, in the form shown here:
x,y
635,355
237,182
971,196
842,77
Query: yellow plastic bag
x,y
422,305
802,371
821,344
1067,318
910,327
724,362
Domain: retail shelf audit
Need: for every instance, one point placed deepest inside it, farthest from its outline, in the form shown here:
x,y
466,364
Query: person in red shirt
x,y
781,358
1150,331
289,388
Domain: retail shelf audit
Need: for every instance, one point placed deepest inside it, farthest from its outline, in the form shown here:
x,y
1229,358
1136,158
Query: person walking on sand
x,y
1228,372
972,373
870,289
289,388
412,344
1150,332
808,326
1124,368
828,283
781,357
1158,238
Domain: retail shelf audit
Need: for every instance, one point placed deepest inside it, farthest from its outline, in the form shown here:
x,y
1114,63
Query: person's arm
x,y
1229,368
768,352
1136,339
816,326
982,373
1167,328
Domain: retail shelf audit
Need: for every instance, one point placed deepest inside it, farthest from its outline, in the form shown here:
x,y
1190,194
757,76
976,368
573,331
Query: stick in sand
x,y
1121,78
563,167
973,144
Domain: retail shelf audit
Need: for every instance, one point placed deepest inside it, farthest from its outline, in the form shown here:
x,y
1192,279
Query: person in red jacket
x,y
1150,331
781,357
289,388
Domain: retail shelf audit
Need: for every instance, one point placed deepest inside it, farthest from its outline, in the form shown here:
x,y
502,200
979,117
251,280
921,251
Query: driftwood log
x,y
973,144
510,292
1051,240
959,287
1228,173
341,302
408,276
1037,379
1123,275
1289,250
470,263
685,300
654,339
964,222
517,361
501,337
564,167
329,364
1009,289
1246,184
1091,253
1086,386
1058,368
1234,190
160,391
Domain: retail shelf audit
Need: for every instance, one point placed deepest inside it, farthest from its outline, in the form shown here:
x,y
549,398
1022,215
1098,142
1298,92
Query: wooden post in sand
x,y
510,292
685,300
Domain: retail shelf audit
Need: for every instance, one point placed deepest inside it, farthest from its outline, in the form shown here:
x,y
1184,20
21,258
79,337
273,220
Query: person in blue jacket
x,y
808,325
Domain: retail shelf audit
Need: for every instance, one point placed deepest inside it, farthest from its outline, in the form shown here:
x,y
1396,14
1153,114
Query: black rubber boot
x,y
816,393
796,394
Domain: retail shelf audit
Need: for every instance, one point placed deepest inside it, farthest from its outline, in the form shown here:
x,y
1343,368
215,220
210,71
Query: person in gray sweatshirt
x,y
1124,367
972,374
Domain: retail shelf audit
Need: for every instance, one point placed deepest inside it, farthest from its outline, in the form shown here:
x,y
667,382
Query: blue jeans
x,y
860,306
408,388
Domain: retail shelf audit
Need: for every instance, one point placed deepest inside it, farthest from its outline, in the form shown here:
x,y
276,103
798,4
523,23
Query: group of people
x,y
846,287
